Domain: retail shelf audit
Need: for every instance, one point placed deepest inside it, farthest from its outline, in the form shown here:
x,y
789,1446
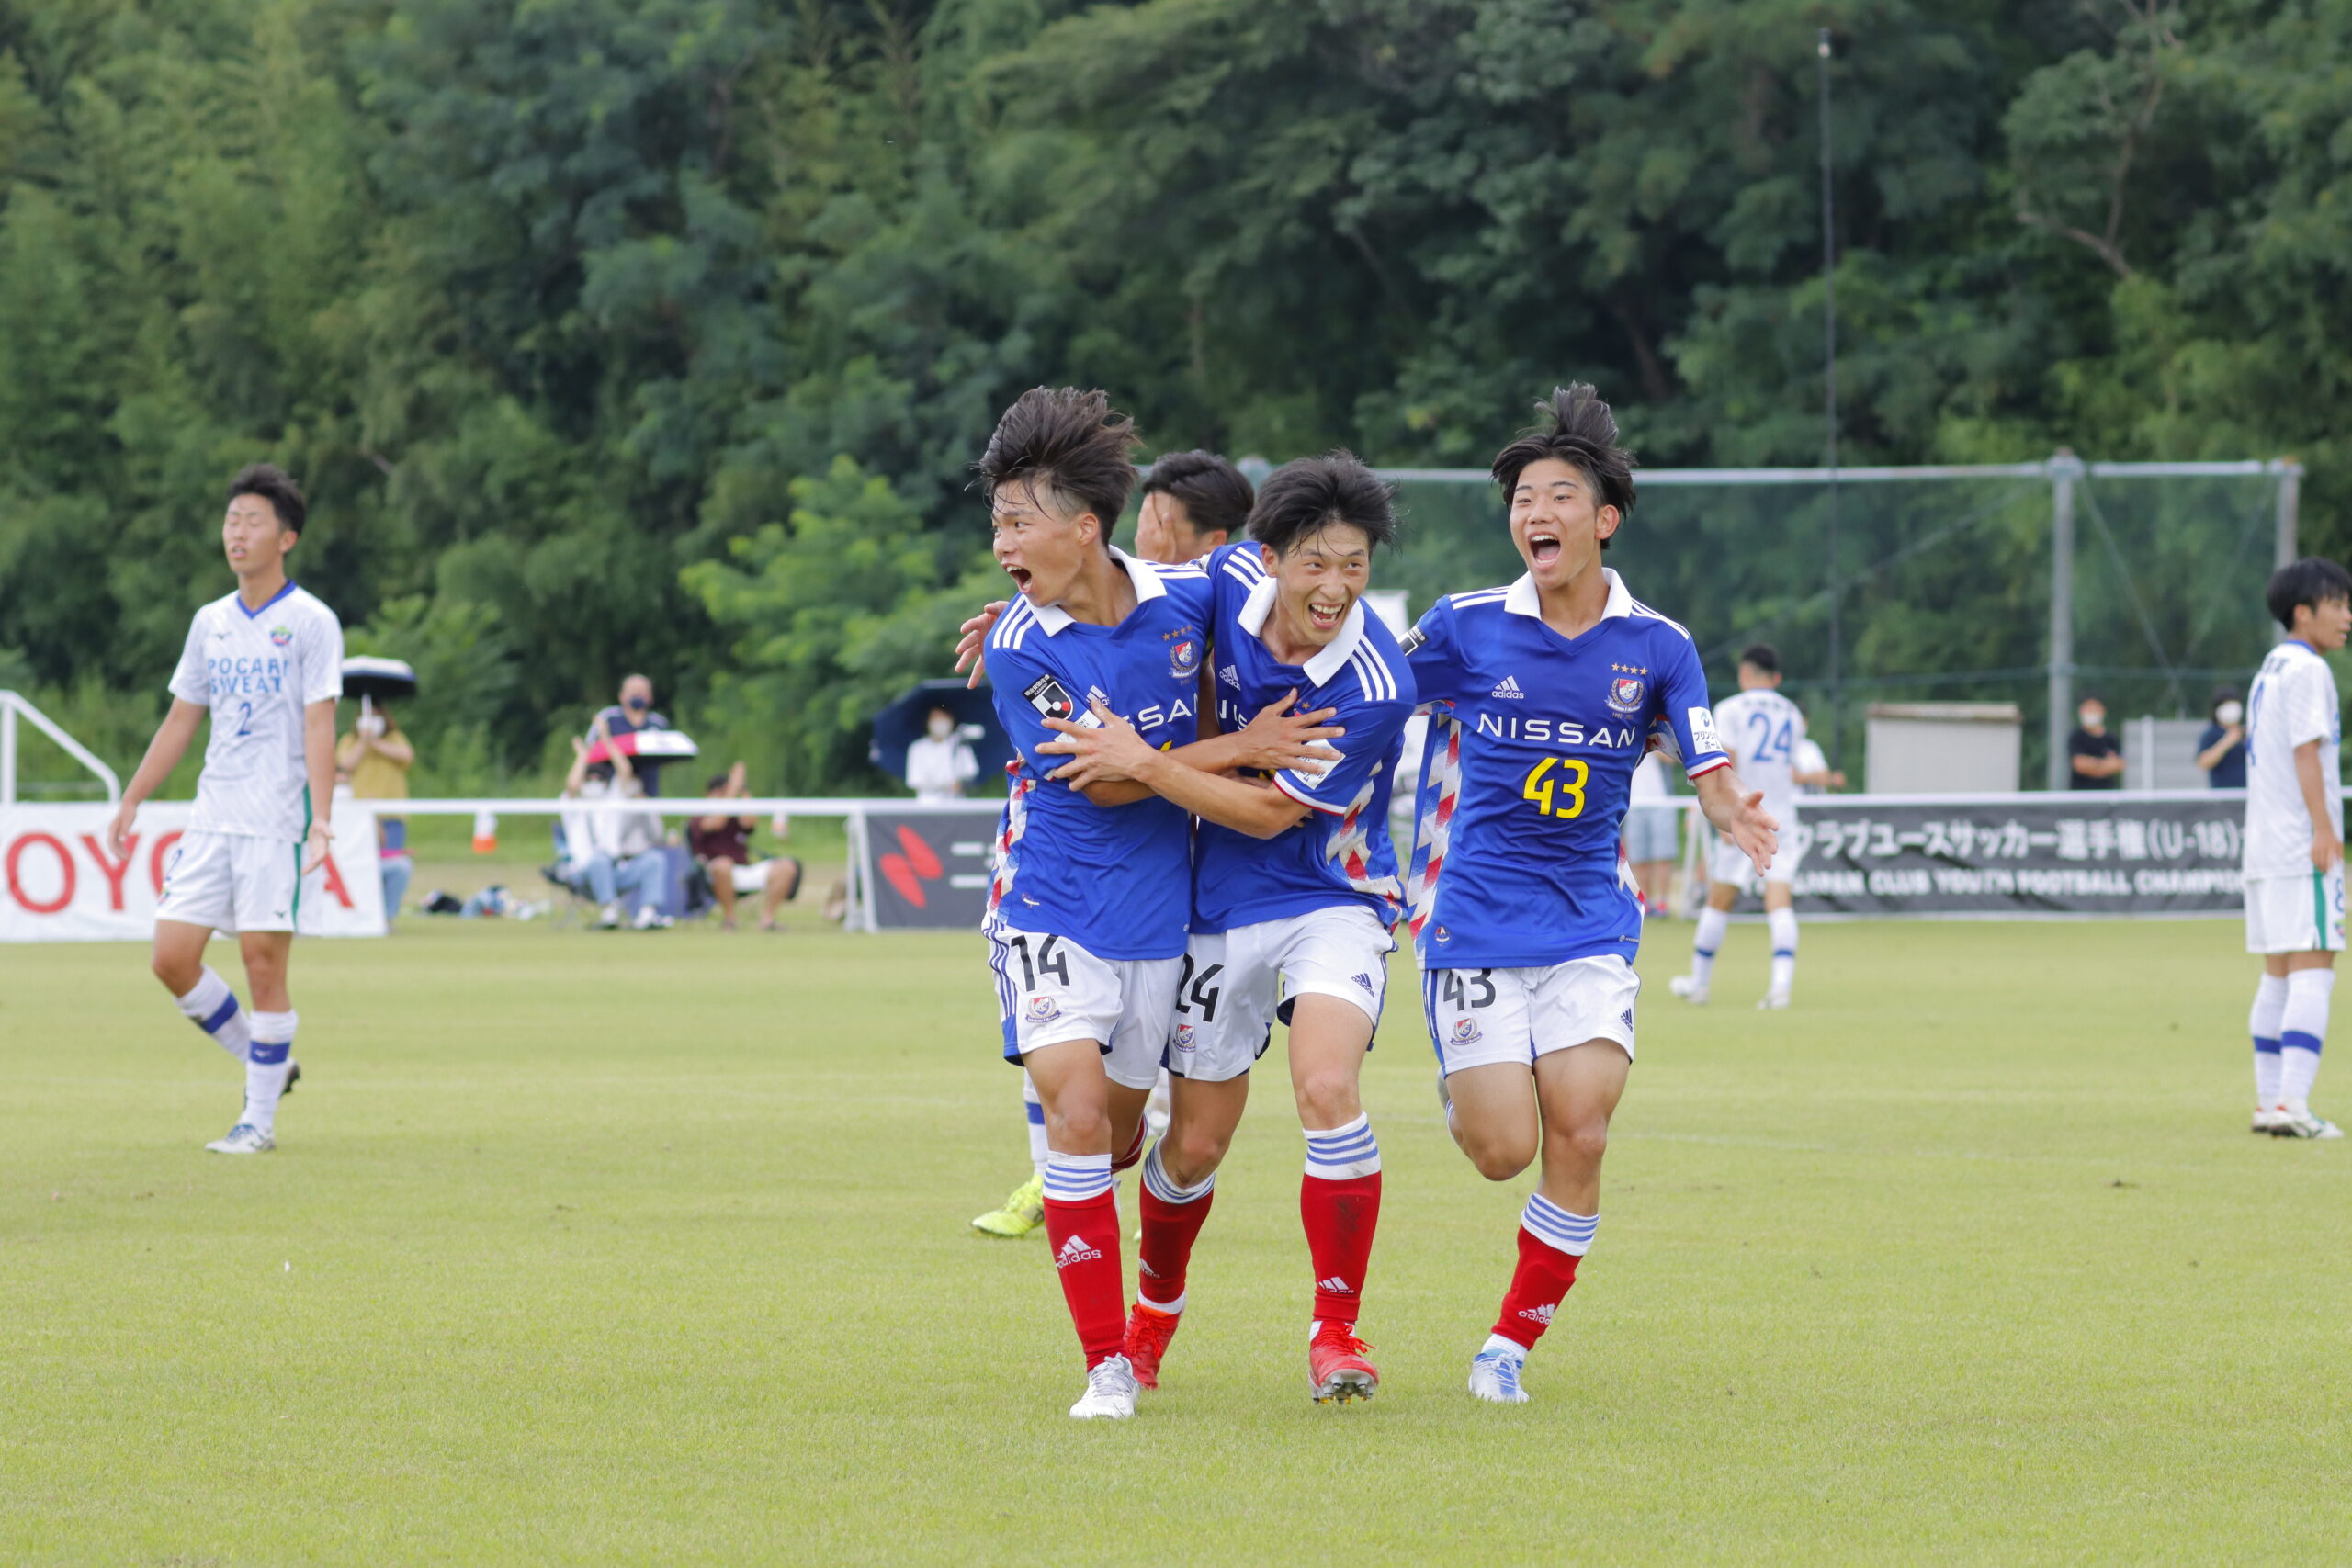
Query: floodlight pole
x,y
1829,404
2065,468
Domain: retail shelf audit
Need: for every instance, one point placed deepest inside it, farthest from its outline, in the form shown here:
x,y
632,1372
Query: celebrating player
x,y
266,662
2294,844
1763,732
1548,689
1192,502
1295,892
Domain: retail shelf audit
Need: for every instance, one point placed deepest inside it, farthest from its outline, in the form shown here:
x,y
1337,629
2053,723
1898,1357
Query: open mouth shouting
x,y
1543,546
1020,575
1326,618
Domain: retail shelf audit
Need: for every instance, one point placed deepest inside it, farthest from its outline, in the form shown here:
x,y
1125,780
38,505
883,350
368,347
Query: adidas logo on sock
x,y
1146,1269
1335,1285
1075,1250
1541,1314
1508,688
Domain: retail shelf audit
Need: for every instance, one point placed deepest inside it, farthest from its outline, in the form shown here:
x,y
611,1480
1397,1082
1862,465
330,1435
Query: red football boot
x,y
1148,1333
1336,1368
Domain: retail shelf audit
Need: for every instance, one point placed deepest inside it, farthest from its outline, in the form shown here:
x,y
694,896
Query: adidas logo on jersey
x,y
1541,1314
1335,1285
1075,1250
1509,687
1230,676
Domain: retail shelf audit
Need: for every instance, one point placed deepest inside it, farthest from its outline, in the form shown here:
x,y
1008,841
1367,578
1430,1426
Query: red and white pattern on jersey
x,y
1433,805
1349,845
1010,827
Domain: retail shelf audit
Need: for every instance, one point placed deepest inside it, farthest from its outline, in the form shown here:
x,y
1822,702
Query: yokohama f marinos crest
x,y
1626,691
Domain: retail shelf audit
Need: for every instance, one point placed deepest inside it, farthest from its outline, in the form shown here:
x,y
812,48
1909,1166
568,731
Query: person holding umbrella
x,y
939,765
631,715
374,757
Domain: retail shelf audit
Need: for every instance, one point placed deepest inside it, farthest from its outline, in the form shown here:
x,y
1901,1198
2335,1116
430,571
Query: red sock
x,y
1169,1232
1085,1239
1537,1287
1339,1217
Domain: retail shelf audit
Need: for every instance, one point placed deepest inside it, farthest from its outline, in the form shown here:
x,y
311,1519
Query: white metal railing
x,y
11,706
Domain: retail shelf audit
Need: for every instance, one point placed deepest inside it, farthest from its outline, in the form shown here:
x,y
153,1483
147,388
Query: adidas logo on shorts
x,y
1364,980
1075,1250
1508,688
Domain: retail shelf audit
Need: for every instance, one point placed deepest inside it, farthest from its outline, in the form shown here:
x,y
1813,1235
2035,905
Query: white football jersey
x,y
1762,730
257,669
2293,701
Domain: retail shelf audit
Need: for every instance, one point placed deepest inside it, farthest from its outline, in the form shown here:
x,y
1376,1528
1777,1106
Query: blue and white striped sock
x,y
2302,1031
1709,936
267,1067
1161,1185
212,1007
1034,1111
1076,1178
1555,1228
2264,1023
1343,1152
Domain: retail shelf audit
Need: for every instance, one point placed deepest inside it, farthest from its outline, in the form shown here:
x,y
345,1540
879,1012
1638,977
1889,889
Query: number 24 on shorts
x,y
1569,781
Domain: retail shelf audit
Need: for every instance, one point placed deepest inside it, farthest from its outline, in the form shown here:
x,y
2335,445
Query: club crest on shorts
x,y
1184,1037
1626,691
1044,1010
280,636
1467,1032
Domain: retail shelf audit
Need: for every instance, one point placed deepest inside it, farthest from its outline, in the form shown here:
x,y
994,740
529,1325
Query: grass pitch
x,y
589,1248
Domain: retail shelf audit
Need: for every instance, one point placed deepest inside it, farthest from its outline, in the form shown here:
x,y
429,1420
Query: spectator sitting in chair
x,y
723,847
608,854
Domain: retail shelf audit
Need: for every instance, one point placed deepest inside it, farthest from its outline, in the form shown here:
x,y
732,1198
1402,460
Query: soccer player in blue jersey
x,y
1296,890
1544,694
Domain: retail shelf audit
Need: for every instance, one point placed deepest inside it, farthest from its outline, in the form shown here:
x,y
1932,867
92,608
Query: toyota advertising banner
x,y
924,868
2078,853
58,882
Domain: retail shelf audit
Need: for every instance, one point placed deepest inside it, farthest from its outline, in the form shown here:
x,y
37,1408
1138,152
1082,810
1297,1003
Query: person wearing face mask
x,y
2098,760
633,715
939,765
2221,751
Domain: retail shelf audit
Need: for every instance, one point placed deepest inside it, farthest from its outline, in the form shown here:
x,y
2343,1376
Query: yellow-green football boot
x,y
1024,1211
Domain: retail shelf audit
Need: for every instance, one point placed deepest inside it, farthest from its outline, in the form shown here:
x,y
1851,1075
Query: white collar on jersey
x,y
1053,617
1334,655
1521,598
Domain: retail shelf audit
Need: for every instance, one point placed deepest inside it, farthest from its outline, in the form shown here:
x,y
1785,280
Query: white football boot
x,y
244,1138
2302,1122
2268,1119
1773,1001
1690,989
1110,1391
1494,1372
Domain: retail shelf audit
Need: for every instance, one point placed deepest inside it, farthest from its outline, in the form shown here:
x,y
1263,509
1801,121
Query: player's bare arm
x,y
2327,850
1737,812
1115,752
318,761
163,754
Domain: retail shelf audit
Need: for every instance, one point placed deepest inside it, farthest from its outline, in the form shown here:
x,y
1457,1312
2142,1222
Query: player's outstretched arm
x,y
1114,753
976,637
318,761
1738,813
2327,850
163,754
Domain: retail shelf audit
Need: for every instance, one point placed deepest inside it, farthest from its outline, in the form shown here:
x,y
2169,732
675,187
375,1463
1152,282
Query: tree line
x,y
658,334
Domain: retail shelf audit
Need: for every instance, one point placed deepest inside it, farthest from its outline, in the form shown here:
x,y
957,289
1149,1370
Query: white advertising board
x,y
59,884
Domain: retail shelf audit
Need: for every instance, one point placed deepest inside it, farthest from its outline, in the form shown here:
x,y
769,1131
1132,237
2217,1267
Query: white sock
x,y
1712,924
212,1007
2270,1006
1782,924
268,1068
1033,1112
2302,1029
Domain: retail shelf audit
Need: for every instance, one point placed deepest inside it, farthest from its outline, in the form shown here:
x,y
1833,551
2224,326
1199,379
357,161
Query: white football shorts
x,y
1049,990
1731,865
233,882
1478,1017
1237,983
2295,914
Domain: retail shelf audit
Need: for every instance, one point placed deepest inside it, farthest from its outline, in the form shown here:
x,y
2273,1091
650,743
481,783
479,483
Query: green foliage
x,y
558,310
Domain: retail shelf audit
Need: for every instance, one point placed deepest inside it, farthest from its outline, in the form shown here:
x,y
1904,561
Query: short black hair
x,y
1763,655
1214,493
1070,444
716,781
2311,580
1577,427
275,486
1304,495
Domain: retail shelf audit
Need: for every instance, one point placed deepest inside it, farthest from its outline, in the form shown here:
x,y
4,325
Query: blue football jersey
x,y
1533,738
1116,880
1340,853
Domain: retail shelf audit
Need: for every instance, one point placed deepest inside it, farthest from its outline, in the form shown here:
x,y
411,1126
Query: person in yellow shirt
x,y
375,757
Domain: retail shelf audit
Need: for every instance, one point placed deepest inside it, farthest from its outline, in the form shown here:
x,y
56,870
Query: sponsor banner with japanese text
x,y
2152,853
59,883
928,869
